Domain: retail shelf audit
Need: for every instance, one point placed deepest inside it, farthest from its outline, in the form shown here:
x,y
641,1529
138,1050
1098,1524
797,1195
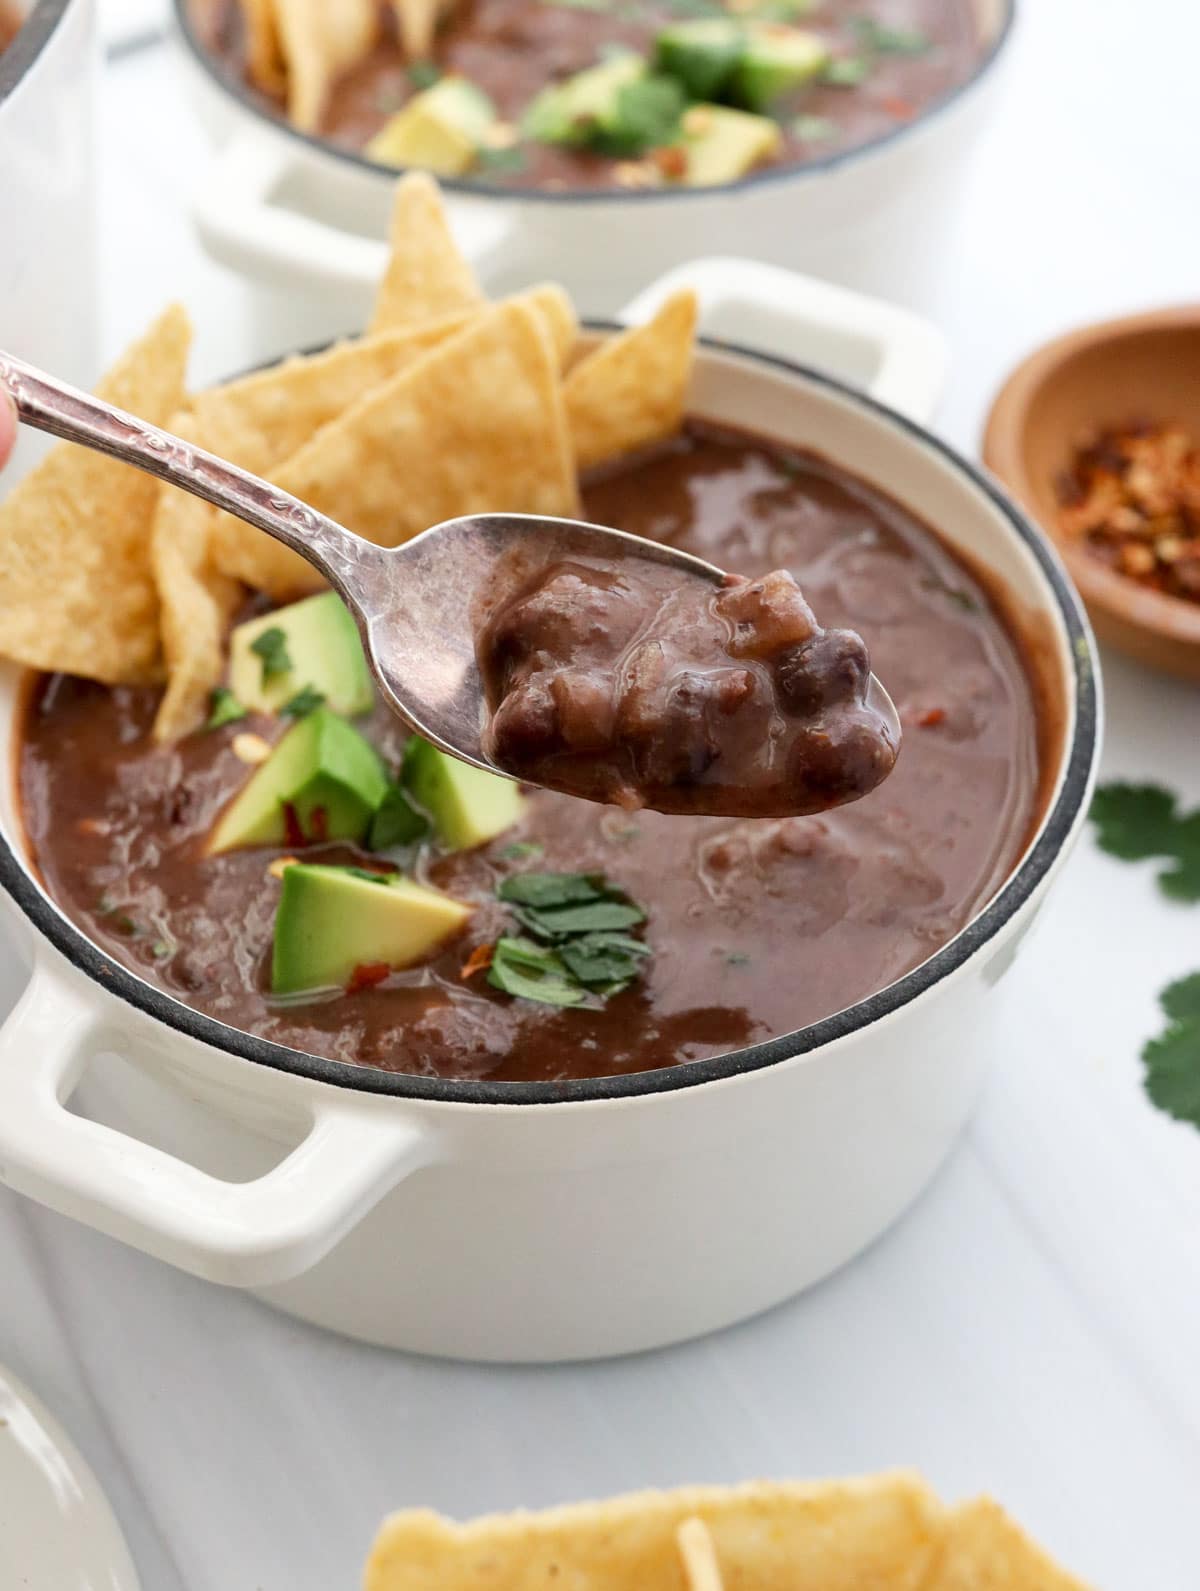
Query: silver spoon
x,y
418,606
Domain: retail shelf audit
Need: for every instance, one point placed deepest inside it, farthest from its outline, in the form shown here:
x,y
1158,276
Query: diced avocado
x,y
439,130
775,60
701,54
722,145
468,805
323,781
570,112
333,920
322,649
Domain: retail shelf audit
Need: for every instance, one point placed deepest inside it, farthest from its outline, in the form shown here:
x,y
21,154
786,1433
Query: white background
x,y
1032,1328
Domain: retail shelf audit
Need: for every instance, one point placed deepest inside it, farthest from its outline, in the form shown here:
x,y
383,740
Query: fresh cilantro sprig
x,y
575,943
397,821
1172,1060
1140,822
223,708
305,701
271,647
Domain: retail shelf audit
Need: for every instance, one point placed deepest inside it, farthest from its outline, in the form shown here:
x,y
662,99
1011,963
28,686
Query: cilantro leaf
x,y
223,708
1138,821
396,822
305,701
368,875
1181,1000
1182,881
885,40
846,71
423,74
550,889
587,918
1133,821
1172,1060
271,647
529,973
602,959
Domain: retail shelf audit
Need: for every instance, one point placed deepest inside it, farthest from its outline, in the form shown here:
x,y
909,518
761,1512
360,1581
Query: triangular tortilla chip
x,y
836,1536
986,1551
426,276
416,23
698,1556
262,419
632,390
321,39
77,590
264,57
197,603
476,425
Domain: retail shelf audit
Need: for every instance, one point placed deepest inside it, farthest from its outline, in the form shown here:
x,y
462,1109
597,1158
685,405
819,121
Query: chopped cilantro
x,y
271,647
577,946
162,948
305,701
847,71
397,821
423,74
814,129
520,849
885,40
736,958
529,972
223,708
1138,821
1172,1060
368,875
499,160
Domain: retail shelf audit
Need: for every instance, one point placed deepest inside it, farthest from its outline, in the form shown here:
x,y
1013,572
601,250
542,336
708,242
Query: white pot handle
x,y
246,1234
243,225
889,352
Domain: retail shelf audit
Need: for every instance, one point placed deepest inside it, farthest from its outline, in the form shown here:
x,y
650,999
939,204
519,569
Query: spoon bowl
x,y
418,606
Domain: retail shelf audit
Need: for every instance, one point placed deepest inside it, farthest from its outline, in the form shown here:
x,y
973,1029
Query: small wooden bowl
x,y
1144,367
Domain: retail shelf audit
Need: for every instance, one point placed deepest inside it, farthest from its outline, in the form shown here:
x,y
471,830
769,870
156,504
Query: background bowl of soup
x,y
639,1189
867,207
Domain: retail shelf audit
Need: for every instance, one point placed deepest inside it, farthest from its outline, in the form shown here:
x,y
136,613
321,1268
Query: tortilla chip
x,y
839,1536
77,590
476,425
321,39
196,602
557,310
632,390
416,23
986,1551
698,1554
426,276
264,56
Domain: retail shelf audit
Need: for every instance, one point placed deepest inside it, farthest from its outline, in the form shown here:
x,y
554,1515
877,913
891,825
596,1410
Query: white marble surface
x,y
1031,1328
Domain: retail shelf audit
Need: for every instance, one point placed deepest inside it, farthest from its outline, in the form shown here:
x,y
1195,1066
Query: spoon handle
x,y
51,405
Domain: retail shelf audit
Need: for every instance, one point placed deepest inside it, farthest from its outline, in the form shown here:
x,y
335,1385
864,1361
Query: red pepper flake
x,y
932,717
671,161
293,829
318,822
902,109
479,960
366,975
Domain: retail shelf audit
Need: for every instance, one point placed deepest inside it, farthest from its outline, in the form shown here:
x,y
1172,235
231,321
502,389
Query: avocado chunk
x,y
775,60
323,781
439,130
721,145
320,650
578,110
701,55
469,806
333,920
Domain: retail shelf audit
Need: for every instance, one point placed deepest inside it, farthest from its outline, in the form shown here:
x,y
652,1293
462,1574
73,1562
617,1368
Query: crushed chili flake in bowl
x,y
1132,497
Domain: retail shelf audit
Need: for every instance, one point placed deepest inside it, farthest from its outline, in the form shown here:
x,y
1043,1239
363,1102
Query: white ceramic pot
x,y
47,188
284,207
558,1221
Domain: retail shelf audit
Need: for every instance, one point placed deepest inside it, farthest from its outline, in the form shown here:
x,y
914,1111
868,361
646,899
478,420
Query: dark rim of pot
x,y
1055,830
31,39
245,96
